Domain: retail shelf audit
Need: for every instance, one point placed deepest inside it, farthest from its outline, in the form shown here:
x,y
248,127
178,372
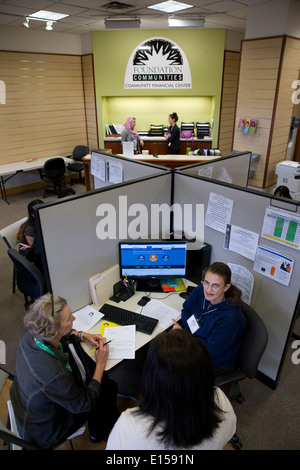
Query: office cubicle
x,y
275,302
108,169
80,234
233,169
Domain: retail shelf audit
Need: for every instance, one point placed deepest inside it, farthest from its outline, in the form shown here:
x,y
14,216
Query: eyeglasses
x,y
215,287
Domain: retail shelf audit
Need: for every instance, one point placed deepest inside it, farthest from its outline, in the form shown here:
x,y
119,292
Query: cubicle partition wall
x,y
276,302
233,169
80,235
107,169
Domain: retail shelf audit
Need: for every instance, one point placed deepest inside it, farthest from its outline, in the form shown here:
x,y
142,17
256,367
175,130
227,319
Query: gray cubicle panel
x,y
70,230
128,169
277,304
233,169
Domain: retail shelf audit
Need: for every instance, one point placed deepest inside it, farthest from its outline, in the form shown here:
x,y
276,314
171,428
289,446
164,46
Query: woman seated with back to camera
x,y
180,406
49,401
212,313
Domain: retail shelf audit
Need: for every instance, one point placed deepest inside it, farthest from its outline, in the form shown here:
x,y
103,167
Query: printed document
x,y
241,241
86,318
122,344
160,311
274,265
219,210
282,226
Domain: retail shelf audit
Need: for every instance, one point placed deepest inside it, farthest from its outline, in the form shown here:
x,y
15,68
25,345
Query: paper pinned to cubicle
x,y
243,279
114,172
241,241
98,168
274,265
219,210
224,176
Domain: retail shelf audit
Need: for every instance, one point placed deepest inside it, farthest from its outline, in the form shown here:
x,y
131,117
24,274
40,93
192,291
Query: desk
x,y
169,161
11,169
173,300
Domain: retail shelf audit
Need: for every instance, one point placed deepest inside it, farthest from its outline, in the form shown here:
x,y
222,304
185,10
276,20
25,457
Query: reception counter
x,y
158,145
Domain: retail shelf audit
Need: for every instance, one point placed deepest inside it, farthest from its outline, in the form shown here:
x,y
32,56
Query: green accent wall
x,y
204,50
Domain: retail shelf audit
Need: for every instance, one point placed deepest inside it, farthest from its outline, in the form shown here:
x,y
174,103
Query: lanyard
x,y
207,311
46,348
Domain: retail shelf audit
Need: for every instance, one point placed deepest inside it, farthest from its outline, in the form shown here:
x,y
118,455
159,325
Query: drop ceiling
x,y
89,15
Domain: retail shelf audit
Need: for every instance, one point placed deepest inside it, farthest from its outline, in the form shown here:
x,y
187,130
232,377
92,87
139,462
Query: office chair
x,y
253,346
30,280
9,236
53,172
79,152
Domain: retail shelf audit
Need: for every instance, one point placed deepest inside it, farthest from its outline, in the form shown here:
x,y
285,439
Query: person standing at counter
x,y
130,134
173,136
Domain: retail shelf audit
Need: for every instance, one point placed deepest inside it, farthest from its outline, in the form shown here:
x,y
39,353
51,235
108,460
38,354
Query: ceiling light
x,y
177,22
47,15
122,23
26,23
170,6
49,26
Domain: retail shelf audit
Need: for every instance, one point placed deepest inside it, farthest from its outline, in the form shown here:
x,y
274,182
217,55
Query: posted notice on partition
x,y
219,210
274,265
282,227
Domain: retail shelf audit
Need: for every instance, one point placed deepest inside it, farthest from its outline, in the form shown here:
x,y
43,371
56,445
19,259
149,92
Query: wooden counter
x,y
158,145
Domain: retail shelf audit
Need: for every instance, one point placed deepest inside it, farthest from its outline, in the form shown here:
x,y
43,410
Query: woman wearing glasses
x,y
213,314
50,400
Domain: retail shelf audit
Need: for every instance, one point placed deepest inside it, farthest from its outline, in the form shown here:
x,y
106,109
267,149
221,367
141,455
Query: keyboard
x,y
124,317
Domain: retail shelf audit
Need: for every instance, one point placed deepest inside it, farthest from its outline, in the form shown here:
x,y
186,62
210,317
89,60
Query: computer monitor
x,y
149,261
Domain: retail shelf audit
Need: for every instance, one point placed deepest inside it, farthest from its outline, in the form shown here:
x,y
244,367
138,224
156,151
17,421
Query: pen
x,y
93,350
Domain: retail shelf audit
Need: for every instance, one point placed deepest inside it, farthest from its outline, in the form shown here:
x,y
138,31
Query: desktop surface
x,y
170,299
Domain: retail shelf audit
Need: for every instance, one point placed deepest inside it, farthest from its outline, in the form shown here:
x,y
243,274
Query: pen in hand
x,y
93,350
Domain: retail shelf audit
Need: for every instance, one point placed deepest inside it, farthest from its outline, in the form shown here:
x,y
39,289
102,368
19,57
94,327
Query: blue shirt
x,y
221,327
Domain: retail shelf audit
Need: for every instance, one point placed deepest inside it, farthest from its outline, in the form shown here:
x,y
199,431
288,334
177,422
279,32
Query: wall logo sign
x,y
158,63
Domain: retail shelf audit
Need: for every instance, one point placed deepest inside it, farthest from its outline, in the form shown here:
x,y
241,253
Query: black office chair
x,y
79,152
30,280
54,172
253,346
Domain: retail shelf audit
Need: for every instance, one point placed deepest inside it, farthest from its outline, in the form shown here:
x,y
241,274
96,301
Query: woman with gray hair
x,y
49,401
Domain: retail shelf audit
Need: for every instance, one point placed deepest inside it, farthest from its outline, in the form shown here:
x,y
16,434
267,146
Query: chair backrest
x,y
9,233
30,280
79,152
254,342
55,168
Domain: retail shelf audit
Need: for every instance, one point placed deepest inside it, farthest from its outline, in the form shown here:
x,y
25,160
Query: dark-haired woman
x,y
173,136
27,231
212,313
181,408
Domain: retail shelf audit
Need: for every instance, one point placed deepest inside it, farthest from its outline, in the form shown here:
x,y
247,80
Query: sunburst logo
x,y
158,63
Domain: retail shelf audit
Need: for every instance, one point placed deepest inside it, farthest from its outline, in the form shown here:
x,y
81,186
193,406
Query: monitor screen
x,y
153,259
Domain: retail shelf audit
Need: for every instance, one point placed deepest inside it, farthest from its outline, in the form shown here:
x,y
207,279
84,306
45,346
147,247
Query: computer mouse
x,y
184,295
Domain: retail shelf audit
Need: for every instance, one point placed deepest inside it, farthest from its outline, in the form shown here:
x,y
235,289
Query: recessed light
x,y
47,15
170,6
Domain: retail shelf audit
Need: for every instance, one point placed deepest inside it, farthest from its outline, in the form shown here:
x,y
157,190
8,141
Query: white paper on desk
x,y
123,341
86,318
161,311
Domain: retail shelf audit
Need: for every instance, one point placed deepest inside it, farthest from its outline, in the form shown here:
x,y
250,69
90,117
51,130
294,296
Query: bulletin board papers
x,y
219,210
98,168
86,318
243,279
282,227
114,172
274,265
241,241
